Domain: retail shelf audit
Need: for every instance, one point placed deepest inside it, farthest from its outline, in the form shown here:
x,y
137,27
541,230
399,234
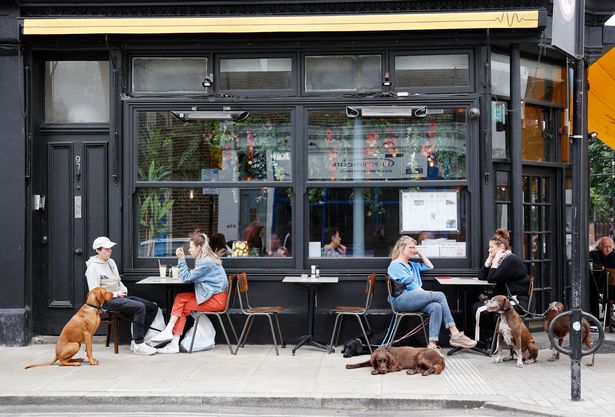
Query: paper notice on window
x,y
453,250
431,251
436,211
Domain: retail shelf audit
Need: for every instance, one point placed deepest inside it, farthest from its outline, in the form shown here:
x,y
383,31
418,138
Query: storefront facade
x,y
279,126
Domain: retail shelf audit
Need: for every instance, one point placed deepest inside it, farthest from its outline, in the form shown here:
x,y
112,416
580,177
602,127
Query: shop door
x,y
539,232
71,175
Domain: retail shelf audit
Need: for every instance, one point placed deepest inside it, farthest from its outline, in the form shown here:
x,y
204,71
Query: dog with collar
x,y
512,330
80,328
562,328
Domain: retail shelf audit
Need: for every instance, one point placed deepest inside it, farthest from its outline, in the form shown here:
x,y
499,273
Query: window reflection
x,y
368,223
257,220
257,149
398,148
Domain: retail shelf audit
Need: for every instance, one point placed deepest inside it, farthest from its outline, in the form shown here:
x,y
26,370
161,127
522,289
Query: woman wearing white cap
x,y
102,272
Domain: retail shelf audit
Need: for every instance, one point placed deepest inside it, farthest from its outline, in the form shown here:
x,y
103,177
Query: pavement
x,y
312,379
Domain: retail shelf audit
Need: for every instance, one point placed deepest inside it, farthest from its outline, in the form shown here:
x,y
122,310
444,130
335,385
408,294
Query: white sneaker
x,y
170,348
143,349
162,337
132,345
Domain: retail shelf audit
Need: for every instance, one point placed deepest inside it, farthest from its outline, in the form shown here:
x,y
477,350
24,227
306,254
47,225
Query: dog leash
x,y
411,332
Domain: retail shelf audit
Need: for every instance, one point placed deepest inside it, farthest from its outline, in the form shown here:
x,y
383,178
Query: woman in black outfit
x,y
507,271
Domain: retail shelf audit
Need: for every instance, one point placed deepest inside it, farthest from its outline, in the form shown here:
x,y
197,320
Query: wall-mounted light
x,y
592,135
387,80
386,111
208,81
197,116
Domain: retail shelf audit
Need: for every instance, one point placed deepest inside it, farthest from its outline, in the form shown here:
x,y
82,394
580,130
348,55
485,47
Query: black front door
x,y
71,175
540,251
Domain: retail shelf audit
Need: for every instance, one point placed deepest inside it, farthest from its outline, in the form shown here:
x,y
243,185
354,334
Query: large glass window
x,y
539,80
257,149
255,74
429,71
256,222
331,73
216,155
76,92
366,220
387,148
168,75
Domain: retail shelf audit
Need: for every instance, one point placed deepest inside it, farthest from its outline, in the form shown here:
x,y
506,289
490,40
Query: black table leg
x,y
308,339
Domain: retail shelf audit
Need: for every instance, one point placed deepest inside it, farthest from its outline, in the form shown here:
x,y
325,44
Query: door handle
x,y
44,240
78,251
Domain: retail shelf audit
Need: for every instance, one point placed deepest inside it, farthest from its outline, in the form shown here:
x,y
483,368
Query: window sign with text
x,y
435,211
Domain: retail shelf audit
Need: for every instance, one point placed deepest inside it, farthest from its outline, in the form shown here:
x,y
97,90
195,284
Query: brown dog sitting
x,y
513,331
425,361
81,327
562,328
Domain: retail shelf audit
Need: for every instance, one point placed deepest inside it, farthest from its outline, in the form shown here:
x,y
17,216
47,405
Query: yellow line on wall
x,y
329,23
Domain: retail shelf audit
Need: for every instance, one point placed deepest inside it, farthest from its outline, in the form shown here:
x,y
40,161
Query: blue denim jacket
x,y
209,278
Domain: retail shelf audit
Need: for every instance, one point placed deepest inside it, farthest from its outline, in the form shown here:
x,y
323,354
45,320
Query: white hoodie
x,y
104,274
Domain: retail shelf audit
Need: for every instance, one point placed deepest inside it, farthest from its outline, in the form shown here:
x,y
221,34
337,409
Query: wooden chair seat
x,y
266,309
349,309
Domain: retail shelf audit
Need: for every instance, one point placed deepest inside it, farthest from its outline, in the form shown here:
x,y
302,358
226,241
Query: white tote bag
x,y
158,324
205,336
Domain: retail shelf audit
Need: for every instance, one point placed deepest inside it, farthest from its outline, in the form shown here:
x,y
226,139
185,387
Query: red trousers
x,y
185,303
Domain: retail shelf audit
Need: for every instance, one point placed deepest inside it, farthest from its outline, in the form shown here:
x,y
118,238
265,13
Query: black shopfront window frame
x,y
130,196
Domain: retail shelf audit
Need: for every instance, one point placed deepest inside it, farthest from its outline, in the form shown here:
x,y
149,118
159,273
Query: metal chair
x,y
399,315
112,320
356,311
608,307
251,312
197,314
526,315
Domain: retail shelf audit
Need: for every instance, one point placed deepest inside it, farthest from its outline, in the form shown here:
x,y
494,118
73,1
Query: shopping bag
x,y
205,336
157,324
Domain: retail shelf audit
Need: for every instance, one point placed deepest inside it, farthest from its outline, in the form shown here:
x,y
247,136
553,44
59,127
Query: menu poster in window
x,y
435,211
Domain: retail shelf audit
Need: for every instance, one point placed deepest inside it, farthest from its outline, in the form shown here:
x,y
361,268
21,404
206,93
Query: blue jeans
x,y
433,303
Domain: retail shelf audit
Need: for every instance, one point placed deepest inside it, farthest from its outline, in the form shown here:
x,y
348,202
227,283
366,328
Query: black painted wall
x,y
14,311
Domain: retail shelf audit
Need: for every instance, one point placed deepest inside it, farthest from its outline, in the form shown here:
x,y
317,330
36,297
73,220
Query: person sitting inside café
x,y
334,247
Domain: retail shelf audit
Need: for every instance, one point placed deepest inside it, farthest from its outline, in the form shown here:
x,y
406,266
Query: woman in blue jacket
x,y
210,290
415,298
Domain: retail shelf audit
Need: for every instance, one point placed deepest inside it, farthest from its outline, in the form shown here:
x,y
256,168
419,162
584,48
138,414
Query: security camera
x,y
207,82
474,113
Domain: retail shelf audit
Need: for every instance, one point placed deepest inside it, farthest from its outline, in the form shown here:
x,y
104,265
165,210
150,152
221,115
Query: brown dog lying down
x,y
81,327
513,331
423,361
562,328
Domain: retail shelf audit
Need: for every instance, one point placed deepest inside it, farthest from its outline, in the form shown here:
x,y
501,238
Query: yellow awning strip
x,y
601,100
330,23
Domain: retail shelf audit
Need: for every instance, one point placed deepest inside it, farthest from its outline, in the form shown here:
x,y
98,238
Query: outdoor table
x,y
311,284
465,283
169,283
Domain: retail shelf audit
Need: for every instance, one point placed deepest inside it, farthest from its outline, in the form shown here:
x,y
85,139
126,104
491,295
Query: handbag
x,y
398,287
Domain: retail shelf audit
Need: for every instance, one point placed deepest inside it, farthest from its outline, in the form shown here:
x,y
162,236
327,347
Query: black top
x,y
609,260
598,258
511,271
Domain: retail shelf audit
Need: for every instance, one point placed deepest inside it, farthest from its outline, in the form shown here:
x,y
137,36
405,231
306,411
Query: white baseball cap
x,y
102,242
